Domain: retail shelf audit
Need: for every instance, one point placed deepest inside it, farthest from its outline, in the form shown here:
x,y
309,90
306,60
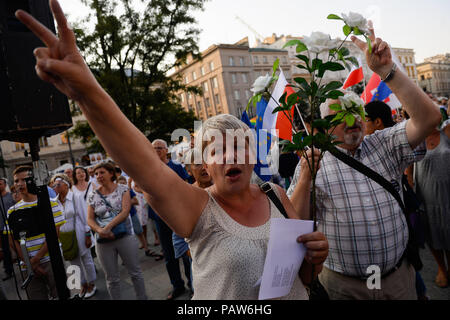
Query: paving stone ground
x,y
158,285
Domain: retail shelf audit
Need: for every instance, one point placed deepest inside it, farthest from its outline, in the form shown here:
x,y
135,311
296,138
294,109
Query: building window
x,y
244,78
199,106
186,80
233,78
231,61
19,146
43,142
189,96
247,94
237,95
182,98
202,70
207,104
205,87
241,61
190,107
399,59
211,65
217,99
255,60
194,76
284,60
265,60
64,139
215,83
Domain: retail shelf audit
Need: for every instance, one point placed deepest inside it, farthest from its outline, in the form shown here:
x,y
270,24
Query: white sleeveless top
x,y
228,258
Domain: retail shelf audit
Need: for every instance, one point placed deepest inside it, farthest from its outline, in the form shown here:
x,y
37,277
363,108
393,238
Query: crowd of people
x,y
211,216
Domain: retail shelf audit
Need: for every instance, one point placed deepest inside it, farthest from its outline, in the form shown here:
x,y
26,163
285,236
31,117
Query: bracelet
x,y
391,73
88,234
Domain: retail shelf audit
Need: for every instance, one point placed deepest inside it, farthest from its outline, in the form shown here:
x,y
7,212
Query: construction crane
x,y
257,35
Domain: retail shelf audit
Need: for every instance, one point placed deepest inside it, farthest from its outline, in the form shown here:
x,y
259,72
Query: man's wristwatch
x,y
390,74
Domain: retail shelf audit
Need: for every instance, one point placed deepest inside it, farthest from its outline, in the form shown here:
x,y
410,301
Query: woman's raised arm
x,y
61,64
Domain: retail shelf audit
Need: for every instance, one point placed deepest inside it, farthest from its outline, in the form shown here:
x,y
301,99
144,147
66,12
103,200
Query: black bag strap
x,y
267,189
370,174
87,189
104,199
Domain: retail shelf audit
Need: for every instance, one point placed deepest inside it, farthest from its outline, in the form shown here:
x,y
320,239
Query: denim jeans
x,y
172,264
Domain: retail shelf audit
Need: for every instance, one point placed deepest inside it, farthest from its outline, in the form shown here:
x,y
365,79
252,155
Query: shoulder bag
x,y
69,241
119,230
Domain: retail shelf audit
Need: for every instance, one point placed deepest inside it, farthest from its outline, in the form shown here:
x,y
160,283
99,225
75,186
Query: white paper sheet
x,y
284,257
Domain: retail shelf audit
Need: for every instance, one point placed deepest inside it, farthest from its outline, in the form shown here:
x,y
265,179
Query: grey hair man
x,y
365,227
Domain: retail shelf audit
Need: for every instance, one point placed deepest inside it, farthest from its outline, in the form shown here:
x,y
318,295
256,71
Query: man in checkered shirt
x,y
363,222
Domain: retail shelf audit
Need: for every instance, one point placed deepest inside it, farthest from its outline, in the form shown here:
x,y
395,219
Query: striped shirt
x,y
362,221
35,239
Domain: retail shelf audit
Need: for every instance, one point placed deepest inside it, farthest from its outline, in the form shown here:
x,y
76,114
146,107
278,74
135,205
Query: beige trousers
x,y
400,285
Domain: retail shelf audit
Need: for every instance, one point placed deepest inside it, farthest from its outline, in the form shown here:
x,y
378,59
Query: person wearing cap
x,y
379,116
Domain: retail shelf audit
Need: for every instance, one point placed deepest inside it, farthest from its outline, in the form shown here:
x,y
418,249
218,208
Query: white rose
x,y
261,83
319,42
348,98
356,20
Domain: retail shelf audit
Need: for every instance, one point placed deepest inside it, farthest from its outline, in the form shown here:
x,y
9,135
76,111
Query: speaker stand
x,y
41,179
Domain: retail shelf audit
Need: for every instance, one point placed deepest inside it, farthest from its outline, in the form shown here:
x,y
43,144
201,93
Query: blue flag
x,y
245,119
261,163
382,92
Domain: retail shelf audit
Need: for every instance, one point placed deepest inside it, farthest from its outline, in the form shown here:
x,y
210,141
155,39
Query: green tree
x,y
131,50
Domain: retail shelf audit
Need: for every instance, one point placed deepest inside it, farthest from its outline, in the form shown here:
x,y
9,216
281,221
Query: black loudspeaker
x,y
29,107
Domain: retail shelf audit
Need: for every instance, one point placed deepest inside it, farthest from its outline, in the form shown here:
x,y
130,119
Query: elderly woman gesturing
x,y
227,225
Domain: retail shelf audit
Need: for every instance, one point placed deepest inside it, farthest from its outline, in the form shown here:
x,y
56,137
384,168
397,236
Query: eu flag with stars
x,y
382,92
265,140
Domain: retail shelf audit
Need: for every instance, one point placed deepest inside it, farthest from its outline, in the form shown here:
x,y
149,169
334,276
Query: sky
x,y
422,25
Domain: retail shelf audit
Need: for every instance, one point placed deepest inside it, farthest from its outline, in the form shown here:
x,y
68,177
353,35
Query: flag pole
x,y
303,122
365,93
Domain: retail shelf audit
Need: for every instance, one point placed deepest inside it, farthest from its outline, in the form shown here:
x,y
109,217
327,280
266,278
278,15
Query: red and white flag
x,y
279,120
356,76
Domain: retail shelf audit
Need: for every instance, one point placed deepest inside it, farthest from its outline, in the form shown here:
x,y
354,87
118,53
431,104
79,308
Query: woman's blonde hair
x,y
220,123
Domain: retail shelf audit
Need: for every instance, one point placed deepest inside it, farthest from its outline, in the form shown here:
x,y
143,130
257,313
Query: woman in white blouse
x,y
75,215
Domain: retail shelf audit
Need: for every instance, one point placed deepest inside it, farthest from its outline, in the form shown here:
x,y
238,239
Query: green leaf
x,y
307,140
350,119
347,30
369,44
303,58
321,123
301,47
334,17
300,66
314,88
353,60
292,43
357,32
334,94
335,107
344,51
333,85
332,66
316,63
292,99
276,64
